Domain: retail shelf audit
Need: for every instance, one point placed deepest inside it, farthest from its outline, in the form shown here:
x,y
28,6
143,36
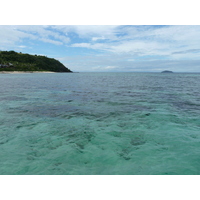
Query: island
x,y
166,71
11,61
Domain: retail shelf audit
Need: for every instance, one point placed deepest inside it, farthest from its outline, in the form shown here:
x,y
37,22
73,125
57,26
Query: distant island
x,y
166,71
13,61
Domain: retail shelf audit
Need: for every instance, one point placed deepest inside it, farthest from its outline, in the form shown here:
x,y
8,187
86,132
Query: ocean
x,y
100,124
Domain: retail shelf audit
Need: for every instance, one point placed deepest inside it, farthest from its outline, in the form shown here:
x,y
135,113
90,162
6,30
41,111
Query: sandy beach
x,y
22,72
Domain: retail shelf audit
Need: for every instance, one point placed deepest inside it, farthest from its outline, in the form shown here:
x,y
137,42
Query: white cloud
x,y
98,46
22,46
51,41
85,45
92,32
138,48
98,38
46,32
9,36
104,68
12,35
110,67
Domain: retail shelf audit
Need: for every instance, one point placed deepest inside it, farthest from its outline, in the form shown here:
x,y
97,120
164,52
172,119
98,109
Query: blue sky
x,y
109,48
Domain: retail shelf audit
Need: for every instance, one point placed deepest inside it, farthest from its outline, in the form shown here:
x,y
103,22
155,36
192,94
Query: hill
x,y
166,71
13,61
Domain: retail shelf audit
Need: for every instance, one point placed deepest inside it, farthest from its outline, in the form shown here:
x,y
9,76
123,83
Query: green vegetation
x,y
166,71
13,61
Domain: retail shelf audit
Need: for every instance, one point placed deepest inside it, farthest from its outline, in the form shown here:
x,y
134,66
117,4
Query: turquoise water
x,y
100,123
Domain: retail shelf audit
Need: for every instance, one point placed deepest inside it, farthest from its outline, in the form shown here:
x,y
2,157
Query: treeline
x,y
13,61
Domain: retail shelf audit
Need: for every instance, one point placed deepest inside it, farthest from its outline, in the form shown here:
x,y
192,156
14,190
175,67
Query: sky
x,y
109,48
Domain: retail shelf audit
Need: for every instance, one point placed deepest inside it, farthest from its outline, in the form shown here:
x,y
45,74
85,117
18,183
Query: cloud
x,y
98,38
111,67
145,40
22,46
12,35
51,41
46,33
91,31
9,36
96,46
187,51
137,48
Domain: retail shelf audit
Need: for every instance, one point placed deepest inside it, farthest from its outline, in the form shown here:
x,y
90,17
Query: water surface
x,y
100,123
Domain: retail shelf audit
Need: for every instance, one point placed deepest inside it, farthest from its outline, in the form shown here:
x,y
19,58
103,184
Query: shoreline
x,y
24,72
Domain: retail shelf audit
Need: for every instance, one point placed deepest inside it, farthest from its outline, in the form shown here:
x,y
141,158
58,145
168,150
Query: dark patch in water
x,y
125,154
79,138
30,157
45,110
187,106
3,142
13,98
26,125
57,164
19,126
80,146
116,133
137,141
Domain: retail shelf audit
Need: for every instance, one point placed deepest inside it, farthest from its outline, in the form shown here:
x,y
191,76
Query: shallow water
x,y
100,123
